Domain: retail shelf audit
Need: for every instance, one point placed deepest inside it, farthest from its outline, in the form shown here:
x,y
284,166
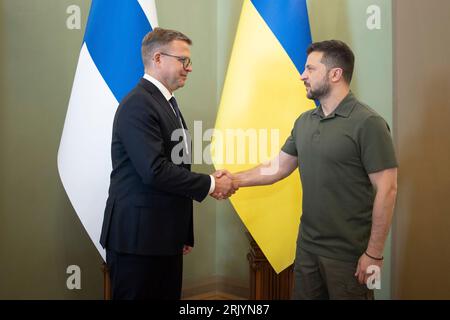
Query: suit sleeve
x,y
140,133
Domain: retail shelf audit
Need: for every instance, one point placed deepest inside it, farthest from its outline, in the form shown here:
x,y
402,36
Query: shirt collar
x,y
166,93
344,108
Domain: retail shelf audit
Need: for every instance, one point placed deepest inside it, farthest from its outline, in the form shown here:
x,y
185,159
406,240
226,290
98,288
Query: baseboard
x,y
215,287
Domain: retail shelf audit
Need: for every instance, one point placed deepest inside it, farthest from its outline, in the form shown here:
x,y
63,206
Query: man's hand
x,y
223,172
225,185
363,264
187,249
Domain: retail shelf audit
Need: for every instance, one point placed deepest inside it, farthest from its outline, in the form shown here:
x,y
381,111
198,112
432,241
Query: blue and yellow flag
x,y
263,92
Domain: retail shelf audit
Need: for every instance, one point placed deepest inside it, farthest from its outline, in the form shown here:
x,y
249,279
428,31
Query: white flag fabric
x,y
108,67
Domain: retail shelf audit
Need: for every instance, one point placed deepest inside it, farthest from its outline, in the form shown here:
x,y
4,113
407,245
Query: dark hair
x,y
336,54
158,38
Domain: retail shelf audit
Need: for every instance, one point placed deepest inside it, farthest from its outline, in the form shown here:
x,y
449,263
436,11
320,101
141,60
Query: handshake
x,y
226,184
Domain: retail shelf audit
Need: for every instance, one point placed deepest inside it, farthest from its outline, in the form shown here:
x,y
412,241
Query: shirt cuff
x,y
213,185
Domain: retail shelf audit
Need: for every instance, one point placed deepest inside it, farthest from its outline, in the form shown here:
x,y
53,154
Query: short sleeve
x,y
289,146
377,148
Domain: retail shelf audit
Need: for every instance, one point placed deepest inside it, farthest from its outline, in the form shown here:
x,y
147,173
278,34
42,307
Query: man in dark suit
x,y
148,221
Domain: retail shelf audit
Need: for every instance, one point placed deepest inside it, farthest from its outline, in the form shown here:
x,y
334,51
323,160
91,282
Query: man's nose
x,y
303,76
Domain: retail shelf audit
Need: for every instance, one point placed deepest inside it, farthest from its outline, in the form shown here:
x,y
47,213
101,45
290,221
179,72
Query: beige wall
x,y
421,232
40,235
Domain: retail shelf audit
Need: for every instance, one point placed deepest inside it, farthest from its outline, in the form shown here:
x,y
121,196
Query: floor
x,y
214,296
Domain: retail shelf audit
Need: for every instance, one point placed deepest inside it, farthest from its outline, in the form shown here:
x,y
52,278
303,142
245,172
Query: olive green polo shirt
x,y
335,155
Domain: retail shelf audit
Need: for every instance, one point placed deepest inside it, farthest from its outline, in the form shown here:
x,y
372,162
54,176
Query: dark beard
x,y
320,92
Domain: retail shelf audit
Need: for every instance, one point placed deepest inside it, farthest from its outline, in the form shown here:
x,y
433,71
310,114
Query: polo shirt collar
x,y
344,108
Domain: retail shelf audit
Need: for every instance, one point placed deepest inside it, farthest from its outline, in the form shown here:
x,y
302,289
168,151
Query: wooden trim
x,y
265,283
106,283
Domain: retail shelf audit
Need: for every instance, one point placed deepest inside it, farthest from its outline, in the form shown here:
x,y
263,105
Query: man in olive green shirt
x,y
348,169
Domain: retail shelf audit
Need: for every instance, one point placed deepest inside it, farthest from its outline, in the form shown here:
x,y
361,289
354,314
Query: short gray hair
x,y
158,38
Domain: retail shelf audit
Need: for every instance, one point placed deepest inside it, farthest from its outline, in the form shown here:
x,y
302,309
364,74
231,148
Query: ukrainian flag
x,y
263,91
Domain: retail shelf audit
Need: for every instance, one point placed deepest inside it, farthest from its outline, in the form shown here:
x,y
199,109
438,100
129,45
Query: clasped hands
x,y
226,184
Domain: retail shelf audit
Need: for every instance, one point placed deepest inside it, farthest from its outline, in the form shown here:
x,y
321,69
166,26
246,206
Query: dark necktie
x,y
174,104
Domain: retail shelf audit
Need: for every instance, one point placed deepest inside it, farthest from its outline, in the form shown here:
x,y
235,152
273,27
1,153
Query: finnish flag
x,y
109,66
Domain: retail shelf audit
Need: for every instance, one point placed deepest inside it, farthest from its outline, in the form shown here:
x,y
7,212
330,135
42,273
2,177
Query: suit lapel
x,y
165,105
159,97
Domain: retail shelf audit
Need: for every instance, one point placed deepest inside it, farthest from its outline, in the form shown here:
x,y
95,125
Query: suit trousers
x,y
139,277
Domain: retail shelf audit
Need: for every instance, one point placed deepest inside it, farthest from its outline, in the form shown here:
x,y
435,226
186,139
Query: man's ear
x,y
156,57
336,74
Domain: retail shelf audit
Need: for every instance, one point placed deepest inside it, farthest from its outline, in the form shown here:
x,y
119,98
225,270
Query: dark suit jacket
x,y
149,208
